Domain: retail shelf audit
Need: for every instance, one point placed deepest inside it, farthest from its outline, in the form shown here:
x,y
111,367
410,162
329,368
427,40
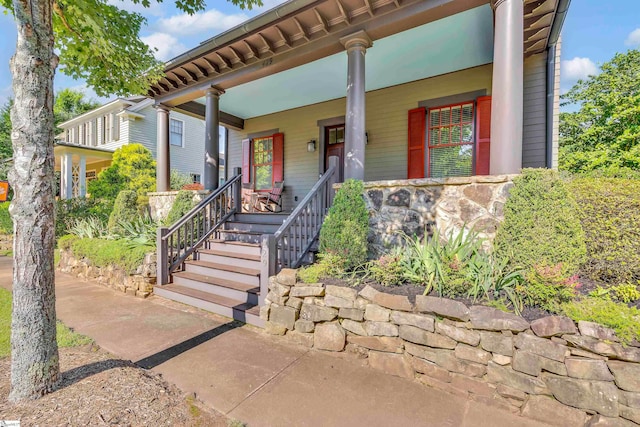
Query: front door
x,y
334,143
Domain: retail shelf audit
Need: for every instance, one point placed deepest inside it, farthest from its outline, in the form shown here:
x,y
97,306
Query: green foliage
x,y
621,318
6,148
6,224
328,265
547,288
71,103
178,179
626,293
65,242
181,205
90,227
103,253
609,210
495,279
69,211
541,225
344,232
124,210
132,168
139,233
386,270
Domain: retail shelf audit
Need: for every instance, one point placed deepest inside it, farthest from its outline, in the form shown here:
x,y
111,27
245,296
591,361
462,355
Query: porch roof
x,y
91,154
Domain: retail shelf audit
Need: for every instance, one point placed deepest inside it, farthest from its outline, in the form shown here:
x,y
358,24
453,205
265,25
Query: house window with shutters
x,y
262,162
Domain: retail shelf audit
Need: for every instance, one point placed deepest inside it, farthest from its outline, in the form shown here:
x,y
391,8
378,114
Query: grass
x,y
66,337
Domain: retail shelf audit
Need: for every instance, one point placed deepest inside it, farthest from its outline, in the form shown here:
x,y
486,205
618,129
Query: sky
x,y
593,32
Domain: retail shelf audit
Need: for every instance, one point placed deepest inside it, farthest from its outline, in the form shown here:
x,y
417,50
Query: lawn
x,y
66,337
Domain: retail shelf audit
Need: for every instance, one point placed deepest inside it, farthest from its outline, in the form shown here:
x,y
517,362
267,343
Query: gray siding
x,y
535,109
556,107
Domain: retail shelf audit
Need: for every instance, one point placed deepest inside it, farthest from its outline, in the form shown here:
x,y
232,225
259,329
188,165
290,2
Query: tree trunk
x,y
34,352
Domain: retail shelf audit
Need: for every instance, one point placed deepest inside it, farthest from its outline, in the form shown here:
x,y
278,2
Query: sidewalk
x,y
250,376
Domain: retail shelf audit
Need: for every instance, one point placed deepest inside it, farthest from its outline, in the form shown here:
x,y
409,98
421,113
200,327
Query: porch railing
x,y
177,242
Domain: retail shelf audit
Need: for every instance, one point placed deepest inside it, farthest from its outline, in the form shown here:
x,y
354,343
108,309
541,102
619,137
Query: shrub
x,y
344,232
329,265
621,318
610,213
541,225
66,241
496,280
90,227
548,288
181,205
387,270
69,211
140,232
626,293
103,253
178,179
124,210
6,224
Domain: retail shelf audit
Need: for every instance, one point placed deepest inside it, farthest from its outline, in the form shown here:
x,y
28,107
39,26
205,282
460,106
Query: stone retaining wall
x,y
550,370
139,284
6,242
160,202
416,205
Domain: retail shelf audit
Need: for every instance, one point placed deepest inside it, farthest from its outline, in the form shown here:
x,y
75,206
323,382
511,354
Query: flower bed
x,y
549,370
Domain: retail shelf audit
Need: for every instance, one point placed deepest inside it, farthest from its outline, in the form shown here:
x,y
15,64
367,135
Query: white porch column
x,y
163,162
356,45
66,176
211,139
507,88
82,177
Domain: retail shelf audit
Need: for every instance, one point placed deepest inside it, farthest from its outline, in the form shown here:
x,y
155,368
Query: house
x,y
389,89
87,143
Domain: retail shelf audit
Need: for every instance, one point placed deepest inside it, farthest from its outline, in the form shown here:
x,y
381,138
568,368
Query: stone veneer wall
x,y
416,205
160,202
139,284
549,370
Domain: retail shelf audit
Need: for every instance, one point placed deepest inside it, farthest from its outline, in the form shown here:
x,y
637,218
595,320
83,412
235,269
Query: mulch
x,y
98,389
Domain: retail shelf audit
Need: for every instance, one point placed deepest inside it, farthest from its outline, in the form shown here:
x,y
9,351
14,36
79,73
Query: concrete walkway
x,y
253,377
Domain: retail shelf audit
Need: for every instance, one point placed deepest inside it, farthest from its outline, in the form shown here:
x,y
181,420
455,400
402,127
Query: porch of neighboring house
x,y
337,90
77,166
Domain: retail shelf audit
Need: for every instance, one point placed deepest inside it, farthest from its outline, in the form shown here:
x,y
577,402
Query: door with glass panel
x,y
334,144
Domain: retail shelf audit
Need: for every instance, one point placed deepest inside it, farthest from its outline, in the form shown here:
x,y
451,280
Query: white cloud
x,y
206,24
633,39
167,45
577,68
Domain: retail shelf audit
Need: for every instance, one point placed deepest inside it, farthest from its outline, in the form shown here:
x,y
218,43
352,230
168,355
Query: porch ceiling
x,y
91,154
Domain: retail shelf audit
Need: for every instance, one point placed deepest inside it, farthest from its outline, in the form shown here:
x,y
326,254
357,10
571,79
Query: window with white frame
x,y
450,140
195,178
176,132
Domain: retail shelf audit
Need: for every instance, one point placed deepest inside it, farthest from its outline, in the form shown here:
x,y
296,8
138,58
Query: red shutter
x,y
278,157
417,131
483,134
246,161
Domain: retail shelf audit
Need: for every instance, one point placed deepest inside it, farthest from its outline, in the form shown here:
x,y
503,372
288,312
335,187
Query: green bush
x,y
328,265
548,288
124,210
387,270
178,179
621,318
541,225
68,212
103,253
6,224
609,209
181,205
344,232
65,242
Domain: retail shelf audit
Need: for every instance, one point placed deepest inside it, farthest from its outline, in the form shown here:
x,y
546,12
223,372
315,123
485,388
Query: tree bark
x,y
34,352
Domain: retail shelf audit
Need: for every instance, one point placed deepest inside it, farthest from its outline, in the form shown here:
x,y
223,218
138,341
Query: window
x,y
195,178
176,132
450,139
263,163
106,129
336,135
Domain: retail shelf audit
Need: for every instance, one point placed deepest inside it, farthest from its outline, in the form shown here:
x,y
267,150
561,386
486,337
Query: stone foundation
x,y
139,284
6,243
551,370
417,205
160,202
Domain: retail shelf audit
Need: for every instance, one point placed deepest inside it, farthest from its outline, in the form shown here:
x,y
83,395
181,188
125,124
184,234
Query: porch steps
x,y
249,227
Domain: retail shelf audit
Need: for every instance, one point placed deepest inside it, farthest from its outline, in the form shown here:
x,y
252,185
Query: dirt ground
x,y
99,389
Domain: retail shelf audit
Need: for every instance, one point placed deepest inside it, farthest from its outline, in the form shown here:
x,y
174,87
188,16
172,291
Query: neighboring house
x,y
395,89
86,145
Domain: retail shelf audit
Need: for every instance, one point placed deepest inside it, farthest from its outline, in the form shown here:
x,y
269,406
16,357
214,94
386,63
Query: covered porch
x,y
77,166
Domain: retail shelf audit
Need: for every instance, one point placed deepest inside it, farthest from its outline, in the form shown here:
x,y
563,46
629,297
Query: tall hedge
x,y
124,210
344,232
6,224
181,205
541,225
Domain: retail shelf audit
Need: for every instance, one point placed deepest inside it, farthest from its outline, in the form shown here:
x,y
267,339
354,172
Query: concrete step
x,y
230,258
238,310
225,272
234,246
213,285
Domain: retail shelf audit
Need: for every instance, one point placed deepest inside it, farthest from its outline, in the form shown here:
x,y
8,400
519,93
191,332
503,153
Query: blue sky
x,y
593,32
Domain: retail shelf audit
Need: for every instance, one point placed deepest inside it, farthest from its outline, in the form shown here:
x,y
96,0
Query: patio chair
x,y
271,201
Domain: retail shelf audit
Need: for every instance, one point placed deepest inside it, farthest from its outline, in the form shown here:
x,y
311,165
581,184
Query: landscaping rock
x,y
595,330
430,369
541,347
304,326
442,307
337,302
599,396
279,290
351,313
360,303
461,335
627,375
317,314
384,329
504,375
583,353
533,364
329,336
420,336
315,285
510,392
294,302
553,325
274,329
392,364
492,319
307,291
602,421
472,385
368,293
376,313
301,338
496,343
550,411
394,302
421,321
612,350
354,327
285,316
630,399
473,354
276,299
341,292
287,277
587,369
388,344
447,360
632,414
264,311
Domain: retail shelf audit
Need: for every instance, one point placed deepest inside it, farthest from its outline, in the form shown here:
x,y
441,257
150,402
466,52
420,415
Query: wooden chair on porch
x,y
272,201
